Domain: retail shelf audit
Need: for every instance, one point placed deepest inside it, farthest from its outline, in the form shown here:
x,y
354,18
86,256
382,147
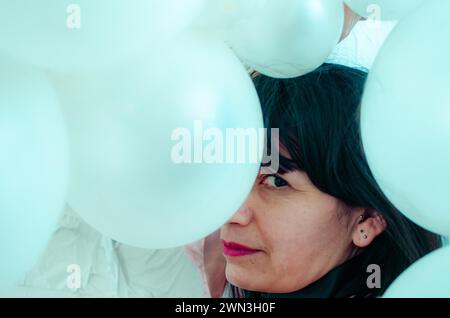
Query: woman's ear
x,y
369,225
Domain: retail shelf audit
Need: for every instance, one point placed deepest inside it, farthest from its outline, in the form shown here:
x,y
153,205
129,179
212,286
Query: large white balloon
x,y
87,34
217,16
279,38
405,117
126,126
33,169
384,9
427,278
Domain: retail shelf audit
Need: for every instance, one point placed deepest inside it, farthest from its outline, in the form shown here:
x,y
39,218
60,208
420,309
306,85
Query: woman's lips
x,y
235,249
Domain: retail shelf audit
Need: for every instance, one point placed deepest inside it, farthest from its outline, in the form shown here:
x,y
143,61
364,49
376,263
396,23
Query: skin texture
x,y
301,234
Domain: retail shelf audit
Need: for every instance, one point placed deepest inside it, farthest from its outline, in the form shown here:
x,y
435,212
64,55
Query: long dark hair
x,y
318,116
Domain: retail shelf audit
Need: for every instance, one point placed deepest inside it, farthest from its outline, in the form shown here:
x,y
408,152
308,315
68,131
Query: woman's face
x,y
299,234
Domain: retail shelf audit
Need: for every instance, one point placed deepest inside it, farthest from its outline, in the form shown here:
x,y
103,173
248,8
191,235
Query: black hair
x,y
318,116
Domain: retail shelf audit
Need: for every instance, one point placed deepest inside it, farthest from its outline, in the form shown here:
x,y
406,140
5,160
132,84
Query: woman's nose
x,y
241,217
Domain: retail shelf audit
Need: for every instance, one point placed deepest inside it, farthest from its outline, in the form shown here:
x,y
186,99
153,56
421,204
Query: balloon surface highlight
x,y
405,117
281,39
85,34
33,169
149,143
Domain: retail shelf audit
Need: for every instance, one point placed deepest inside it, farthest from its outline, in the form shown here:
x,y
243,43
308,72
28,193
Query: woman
x,y
320,226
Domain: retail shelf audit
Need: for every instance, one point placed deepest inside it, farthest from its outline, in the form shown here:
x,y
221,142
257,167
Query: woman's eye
x,y
275,181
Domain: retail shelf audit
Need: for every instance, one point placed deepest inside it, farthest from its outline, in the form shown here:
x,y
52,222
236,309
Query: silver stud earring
x,y
363,234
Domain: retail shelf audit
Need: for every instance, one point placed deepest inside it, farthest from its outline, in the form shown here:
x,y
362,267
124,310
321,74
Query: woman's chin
x,y
237,276
244,279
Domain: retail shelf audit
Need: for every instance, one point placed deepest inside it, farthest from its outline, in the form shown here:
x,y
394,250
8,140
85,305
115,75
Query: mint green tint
x,y
406,117
384,9
33,169
122,130
427,278
88,34
282,38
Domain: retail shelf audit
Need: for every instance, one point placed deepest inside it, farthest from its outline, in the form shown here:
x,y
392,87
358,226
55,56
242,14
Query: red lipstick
x,y
235,249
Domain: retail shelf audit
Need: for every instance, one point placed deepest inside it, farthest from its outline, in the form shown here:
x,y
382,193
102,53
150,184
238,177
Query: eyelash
x,y
265,177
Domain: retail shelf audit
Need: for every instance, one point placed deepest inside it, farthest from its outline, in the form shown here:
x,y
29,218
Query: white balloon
x,y
33,169
88,34
279,38
125,182
217,16
384,9
426,278
405,117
